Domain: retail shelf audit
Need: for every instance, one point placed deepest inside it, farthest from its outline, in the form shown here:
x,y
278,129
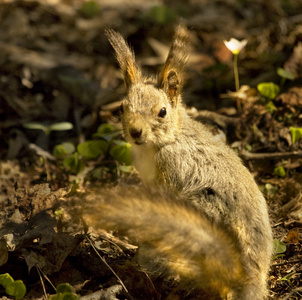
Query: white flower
x,y
235,46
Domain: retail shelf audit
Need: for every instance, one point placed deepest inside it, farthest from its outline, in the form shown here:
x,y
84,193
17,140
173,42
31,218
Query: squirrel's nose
x,y
135,132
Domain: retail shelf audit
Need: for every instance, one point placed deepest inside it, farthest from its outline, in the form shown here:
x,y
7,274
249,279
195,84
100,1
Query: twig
x,y
297,290
277,155
45,276
42,282
278,224
293,223
287,263
109,293
41,152
104,261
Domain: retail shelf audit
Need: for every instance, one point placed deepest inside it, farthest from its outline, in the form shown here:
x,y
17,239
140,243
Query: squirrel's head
x,y
151,109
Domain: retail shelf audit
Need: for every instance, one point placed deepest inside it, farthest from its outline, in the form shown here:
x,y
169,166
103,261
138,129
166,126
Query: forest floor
x,y
58,69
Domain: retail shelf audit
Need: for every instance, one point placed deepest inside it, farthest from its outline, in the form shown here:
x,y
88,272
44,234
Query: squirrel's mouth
x,y
138,142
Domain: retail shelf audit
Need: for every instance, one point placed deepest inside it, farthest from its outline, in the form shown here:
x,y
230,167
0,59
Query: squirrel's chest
x,y
144,162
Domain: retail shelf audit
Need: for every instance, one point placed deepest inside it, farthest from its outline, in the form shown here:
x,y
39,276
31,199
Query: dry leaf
x,y
292,237
33,259
3,252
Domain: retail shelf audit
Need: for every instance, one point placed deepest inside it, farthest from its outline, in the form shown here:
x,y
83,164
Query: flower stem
x,y
237,81
236,72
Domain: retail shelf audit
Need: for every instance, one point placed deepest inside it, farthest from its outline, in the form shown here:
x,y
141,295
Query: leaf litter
x,y
57,66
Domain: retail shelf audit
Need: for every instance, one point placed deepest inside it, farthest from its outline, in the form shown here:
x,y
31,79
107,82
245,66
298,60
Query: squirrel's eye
x,y
162,112
121,108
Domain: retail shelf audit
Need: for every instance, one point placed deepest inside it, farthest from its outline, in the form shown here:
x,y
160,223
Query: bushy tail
x,y
198,250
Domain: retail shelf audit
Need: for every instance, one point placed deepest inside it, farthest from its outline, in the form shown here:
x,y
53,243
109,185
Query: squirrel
x,y
214,232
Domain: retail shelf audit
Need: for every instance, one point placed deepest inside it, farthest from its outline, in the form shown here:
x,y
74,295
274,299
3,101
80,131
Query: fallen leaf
x,y
33,259
292,237
3,252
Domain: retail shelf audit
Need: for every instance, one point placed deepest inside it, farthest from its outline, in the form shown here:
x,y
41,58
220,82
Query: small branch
x,y
41,152
287,262
42,282
277,155
294,291
109,293
104,261
40,272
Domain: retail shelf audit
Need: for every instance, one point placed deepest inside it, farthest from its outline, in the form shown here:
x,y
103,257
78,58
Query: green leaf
x,y
285,74
279,171
35,126
269,190
74,164
279,247
65,288
62,126
63,149
105,129
296,133
5,279
59,212
270,107
16,289
126,169
248,147
121,152
287,277
90,8
107,132
162,14
65,296
92,149
268,90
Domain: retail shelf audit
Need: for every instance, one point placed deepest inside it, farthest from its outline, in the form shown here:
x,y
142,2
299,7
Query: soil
x,y
57,66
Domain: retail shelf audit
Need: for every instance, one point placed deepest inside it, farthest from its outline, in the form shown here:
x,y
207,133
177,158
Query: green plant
x,y
296,133
284,74
270,107
287,277
280,171
90,9
15,288
47,129
161,14
65,291
104,146
268,90
279,248
63,150
61,126
269,190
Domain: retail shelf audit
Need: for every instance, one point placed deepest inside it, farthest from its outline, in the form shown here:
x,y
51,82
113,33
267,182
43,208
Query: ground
x,y
57,66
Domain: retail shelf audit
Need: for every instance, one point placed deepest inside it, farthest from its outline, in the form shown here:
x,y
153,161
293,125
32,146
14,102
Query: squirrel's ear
x,y
171,83
170,78
125,57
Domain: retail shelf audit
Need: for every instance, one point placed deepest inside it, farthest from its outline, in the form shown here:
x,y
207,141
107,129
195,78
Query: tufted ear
x,y
171,83
125,57
170,79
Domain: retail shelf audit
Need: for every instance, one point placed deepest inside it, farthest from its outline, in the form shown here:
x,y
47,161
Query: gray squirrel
x,y
214,231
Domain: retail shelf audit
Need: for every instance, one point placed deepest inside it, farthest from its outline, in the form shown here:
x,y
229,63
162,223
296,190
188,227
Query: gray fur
x,y
182,154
